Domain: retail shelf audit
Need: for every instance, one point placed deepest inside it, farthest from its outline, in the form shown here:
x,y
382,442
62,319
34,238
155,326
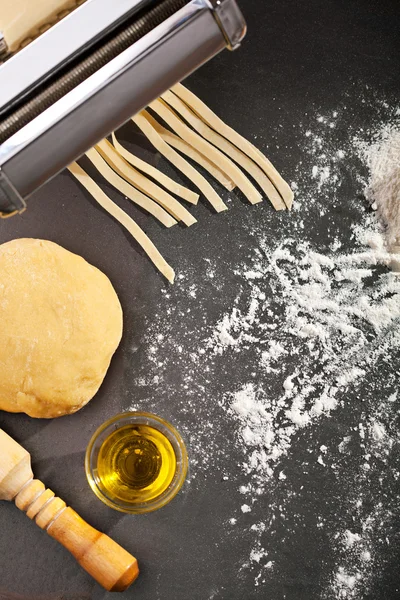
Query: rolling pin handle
x,y
112,566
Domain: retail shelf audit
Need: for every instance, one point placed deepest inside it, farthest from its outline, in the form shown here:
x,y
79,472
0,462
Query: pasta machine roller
x,y
93,70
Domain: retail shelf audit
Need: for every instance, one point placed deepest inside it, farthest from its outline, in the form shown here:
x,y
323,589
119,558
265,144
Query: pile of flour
x,y
382,157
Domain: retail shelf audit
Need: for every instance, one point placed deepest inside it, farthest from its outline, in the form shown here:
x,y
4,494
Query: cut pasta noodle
x,y
112,157
229,149
129,224
187,169
180,144
128,190
191,128
207,115
164,180
193,138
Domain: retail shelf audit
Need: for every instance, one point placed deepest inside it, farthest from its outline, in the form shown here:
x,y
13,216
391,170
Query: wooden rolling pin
x,y
112,566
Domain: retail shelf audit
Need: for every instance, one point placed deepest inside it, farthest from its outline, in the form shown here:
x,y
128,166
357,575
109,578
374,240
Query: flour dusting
x,y
291,372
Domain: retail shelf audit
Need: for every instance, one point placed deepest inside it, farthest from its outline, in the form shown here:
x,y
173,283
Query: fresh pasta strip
x,y
164,180
227,147
179,144
129,224
182,164
128,190
193,138
209,117
112,157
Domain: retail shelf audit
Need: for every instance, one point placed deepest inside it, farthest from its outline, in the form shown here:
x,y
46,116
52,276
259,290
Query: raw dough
x,y
227,147
209,117
21,20
167,182
162,109
179,144
128,190
60,324
125,220
180,163
142,183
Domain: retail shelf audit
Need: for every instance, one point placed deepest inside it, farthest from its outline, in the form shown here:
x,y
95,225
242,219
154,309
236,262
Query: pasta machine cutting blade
x,y
93,70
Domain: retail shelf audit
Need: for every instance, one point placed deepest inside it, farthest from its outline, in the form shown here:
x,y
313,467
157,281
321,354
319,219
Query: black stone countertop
x,y
300,60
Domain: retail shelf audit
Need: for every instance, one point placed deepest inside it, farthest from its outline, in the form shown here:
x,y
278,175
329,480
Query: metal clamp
x,y
10,201
231,21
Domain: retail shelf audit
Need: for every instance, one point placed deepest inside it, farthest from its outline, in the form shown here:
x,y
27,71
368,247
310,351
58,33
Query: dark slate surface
x,y
299,58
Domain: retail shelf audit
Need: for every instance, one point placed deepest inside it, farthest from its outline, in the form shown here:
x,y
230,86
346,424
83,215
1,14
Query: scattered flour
x,y
330,323
295,351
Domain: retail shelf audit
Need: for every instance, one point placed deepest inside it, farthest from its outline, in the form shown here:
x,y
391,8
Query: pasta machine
x,y
90,72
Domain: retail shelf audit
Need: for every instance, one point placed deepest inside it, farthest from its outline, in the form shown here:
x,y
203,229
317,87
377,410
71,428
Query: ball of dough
x,y
60,324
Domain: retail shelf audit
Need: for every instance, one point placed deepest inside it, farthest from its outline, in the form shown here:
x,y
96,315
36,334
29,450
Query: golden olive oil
x,y
136,464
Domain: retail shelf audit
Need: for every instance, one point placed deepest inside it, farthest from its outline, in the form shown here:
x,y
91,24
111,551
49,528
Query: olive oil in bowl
x,y
136,462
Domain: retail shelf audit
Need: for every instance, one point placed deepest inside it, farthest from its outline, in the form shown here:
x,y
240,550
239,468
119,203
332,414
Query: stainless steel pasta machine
x,y
93,70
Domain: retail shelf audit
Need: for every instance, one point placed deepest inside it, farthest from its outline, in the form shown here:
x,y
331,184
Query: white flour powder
x,y
383,159
293,350
332,319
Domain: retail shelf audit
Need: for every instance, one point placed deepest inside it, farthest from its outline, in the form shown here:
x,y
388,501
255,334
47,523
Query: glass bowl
x,y
170,450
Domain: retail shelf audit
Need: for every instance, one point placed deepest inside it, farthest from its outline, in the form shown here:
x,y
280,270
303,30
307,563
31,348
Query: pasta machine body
x,y
93,70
